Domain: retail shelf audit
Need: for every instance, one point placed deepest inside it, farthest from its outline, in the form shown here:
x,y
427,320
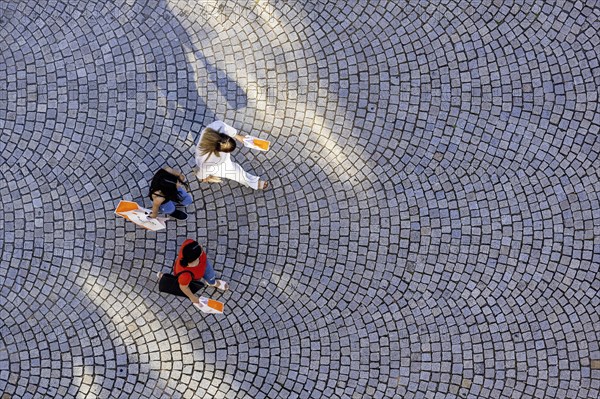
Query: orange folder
x,y
136,214
210,306
256,143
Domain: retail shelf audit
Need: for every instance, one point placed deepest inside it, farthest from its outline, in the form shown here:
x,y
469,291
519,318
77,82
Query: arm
x,y
239,138
222,127
156,203
186,290
175,172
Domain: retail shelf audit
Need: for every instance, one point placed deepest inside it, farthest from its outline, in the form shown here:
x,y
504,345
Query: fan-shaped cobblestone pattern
x,y
431,231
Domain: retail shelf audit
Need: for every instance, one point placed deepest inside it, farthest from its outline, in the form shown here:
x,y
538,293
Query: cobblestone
x,y
431,231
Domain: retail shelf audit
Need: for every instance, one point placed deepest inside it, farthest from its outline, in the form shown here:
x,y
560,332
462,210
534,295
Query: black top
x,y
161,179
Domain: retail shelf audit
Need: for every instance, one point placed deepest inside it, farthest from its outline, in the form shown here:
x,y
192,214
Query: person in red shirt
x,y
192,258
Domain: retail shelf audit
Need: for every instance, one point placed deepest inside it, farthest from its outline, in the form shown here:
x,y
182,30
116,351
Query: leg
x,y
167,207
263,184
237,173
209,274
211,281
204,178
186,198
212,179
204,174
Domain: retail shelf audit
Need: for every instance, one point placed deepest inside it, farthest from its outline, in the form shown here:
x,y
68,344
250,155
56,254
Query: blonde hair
x,y
213,143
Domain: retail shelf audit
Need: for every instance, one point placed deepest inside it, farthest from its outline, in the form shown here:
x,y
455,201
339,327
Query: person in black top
x,y
167,191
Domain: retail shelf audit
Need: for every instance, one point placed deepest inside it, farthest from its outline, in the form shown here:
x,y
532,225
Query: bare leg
x,y
211,179
263,184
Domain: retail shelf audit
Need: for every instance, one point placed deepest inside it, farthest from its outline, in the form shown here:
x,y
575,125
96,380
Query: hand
x,y
196,300
239,138
153,215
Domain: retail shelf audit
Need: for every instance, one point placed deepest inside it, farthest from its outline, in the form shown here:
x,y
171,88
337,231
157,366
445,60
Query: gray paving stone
x,y
430,231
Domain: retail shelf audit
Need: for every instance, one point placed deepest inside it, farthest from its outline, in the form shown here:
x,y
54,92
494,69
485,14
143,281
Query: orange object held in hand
x,y
126,206
216,305
138,215
256,143
263,144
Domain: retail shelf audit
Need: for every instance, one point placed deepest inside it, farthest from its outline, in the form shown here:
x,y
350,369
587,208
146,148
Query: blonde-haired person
x,y
214,161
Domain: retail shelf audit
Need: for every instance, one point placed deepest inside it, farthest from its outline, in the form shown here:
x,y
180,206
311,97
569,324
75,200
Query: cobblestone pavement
x,y
432,230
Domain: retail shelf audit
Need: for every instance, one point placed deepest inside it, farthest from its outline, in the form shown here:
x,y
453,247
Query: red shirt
x,y
197,271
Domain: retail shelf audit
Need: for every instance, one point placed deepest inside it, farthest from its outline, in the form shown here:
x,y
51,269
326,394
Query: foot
x,y
179,215
220,285
263,185
212,179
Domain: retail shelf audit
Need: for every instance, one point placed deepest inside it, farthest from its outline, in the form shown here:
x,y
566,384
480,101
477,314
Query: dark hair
x,y
190,253
166,183
227,144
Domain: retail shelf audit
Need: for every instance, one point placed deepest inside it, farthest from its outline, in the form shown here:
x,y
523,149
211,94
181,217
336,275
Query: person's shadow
x,y
174,82
176,67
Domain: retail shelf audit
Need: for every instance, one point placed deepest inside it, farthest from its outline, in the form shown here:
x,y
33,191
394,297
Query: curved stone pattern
x,y
432,230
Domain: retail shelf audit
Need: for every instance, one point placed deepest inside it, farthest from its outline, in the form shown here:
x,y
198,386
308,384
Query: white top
x,y
223,165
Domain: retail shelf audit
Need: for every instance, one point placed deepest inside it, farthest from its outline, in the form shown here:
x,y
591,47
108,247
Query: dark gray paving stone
x,y
430,230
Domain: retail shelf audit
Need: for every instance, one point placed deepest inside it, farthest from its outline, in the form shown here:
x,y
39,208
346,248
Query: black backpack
x,y
169,284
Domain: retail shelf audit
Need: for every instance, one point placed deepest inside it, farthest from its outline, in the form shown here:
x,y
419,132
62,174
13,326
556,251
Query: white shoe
x,y
220,285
